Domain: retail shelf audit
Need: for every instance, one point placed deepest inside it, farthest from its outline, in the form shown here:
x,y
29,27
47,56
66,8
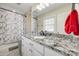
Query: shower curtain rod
x,y
12,11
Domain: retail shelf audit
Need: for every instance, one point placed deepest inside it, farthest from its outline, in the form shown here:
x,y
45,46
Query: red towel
x,y
67,25
71,24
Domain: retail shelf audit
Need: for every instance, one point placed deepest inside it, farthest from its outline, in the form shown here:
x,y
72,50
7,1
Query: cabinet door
x,y
29,52
38,47
50,52
35,53
23,48
26,48
26,51
30,47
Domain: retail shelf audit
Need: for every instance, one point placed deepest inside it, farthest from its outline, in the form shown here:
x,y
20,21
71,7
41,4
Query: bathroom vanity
x,y
40,47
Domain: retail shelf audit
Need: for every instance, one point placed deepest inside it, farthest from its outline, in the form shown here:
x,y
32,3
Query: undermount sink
x,y
39,37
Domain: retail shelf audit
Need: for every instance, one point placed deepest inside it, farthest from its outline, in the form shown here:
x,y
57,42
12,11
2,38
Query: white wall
x,y
60,14
61,21
27,24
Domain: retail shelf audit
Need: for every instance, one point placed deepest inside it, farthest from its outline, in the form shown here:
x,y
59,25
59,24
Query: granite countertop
x,y
58,49
65,53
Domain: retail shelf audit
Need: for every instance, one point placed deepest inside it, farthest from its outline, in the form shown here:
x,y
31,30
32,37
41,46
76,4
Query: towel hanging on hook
x,y
71,24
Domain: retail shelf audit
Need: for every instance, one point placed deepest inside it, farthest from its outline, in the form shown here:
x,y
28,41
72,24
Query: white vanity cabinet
x,y
50,52
31,48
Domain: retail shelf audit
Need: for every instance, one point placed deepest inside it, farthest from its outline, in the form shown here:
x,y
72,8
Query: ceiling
x,y
50,8
22,8
25,8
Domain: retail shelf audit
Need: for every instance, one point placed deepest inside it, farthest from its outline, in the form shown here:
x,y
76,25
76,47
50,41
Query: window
x,y
49,24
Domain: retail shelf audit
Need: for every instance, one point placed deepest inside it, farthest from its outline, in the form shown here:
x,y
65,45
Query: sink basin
x,y
39,37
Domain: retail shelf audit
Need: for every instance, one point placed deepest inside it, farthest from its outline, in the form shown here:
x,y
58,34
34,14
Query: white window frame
x,y
53,24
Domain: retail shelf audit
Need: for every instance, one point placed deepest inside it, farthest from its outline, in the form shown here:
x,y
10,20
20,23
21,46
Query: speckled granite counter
x,y
64,52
